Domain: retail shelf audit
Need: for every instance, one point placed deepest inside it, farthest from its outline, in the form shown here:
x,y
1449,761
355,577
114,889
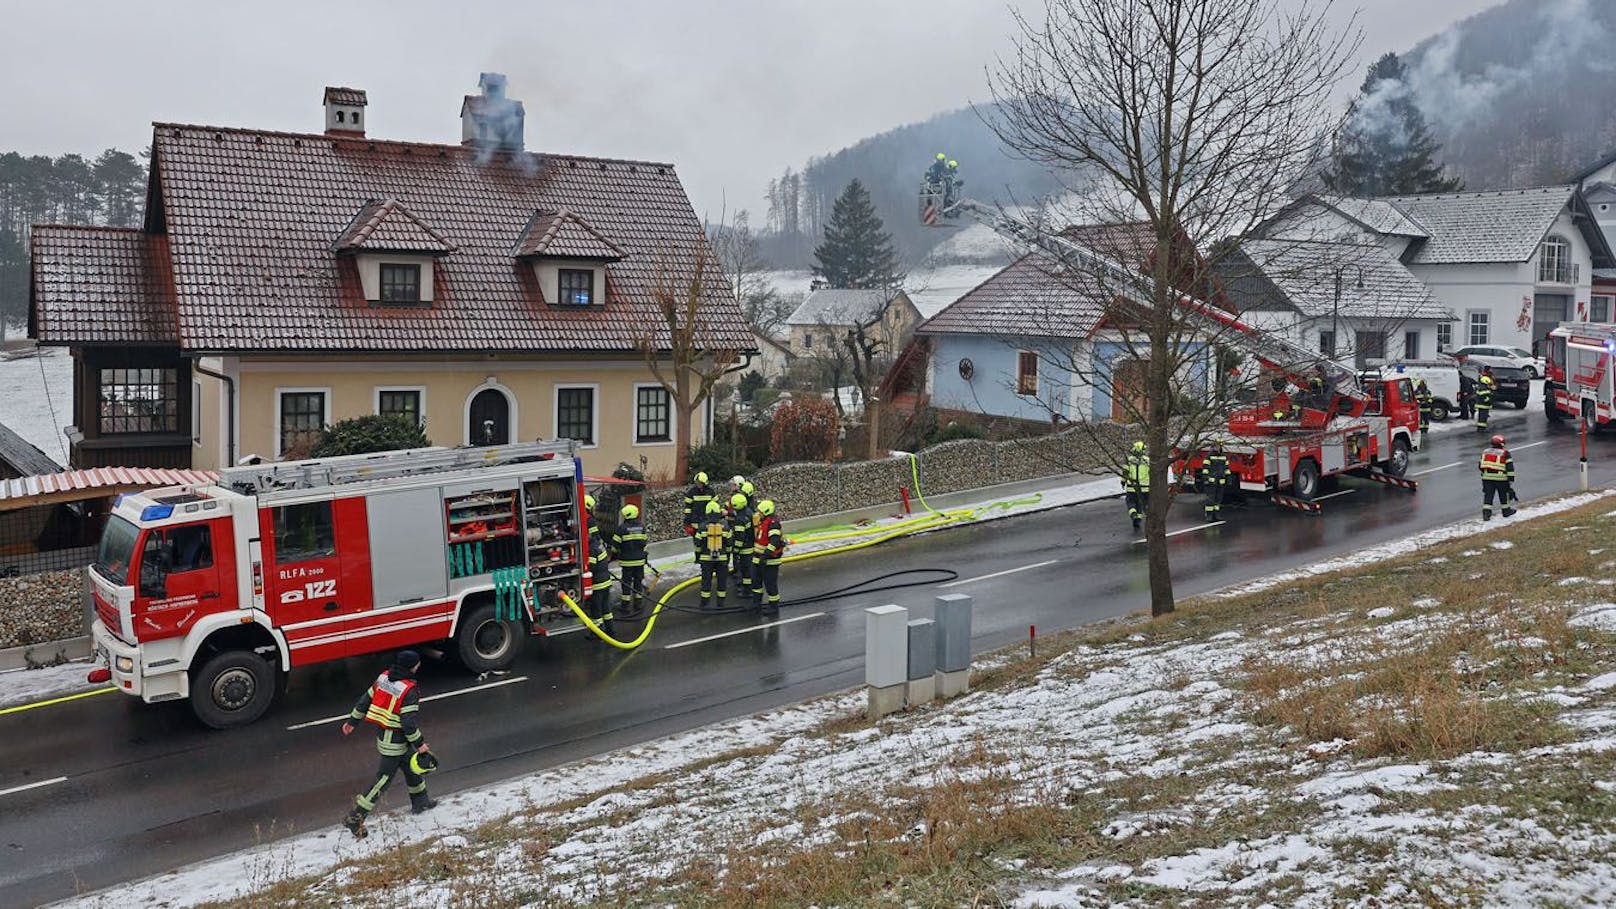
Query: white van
x,y
1441,377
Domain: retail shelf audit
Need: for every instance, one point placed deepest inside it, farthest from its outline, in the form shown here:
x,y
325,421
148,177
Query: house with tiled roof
x,y
1510,264
284,281
826,314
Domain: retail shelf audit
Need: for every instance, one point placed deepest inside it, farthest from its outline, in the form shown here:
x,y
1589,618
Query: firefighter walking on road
x,y
1422,393
767,554
1497,478
1215,474
1484,398
628,548
392,704
1136,482
712,554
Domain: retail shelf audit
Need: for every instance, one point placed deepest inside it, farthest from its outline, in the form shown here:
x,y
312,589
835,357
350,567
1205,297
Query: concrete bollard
x,y
922,686
886,664
953,647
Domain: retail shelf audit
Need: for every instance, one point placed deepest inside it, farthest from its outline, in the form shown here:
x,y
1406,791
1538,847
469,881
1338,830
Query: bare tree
x,y
763,306
1192,117
678,351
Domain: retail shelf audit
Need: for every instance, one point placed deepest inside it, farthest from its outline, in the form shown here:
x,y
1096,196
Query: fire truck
x,y
215,592
1290,444
1578,378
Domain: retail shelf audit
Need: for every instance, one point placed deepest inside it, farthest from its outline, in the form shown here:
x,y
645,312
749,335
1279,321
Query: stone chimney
x,y
344,111
491,120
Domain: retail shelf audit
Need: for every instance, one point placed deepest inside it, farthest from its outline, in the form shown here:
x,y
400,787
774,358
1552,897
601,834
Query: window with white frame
x,y
1554,264
400,402
1411,345
575,414
1027,373
1444,337
652,415
302,416
1478,321
1327,343
1601,310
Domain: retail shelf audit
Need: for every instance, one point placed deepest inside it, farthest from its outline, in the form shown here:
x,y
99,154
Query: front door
x,y
1128,400
488,419
180,577
1548,311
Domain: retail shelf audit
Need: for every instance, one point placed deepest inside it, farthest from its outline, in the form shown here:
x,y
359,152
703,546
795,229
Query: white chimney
x,y
344,111
491,120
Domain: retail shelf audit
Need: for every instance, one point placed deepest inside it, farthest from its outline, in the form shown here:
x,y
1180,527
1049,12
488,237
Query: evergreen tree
x,y
1386,149
857,250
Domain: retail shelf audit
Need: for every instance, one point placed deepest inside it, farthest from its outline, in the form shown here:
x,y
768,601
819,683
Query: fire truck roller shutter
x,y
407,554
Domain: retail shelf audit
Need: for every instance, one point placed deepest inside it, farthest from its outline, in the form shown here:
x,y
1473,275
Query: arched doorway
x,y
488,418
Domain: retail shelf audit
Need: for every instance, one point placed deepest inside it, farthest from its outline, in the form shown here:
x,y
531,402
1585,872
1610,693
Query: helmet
x,y
423,762
747,488
1420,382
1139,446
714,507
589,503
941,156
953,163
766,507
1217,445
737,500
701,476
630,512
736,481
1498,441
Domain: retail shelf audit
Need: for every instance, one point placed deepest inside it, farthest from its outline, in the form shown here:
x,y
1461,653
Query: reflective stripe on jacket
x,y
1496,464
628,544
1136,473
771,543
1215,468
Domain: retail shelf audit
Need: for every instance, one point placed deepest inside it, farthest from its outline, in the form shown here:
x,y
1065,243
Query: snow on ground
x,y
38,406
20,686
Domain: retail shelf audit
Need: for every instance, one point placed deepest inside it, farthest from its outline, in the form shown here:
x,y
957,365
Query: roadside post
x,y
886,663
922,687
953,645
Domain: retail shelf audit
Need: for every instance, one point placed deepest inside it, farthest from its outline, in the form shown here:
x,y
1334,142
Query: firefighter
x,y
768,552
590,524
391,703
1136,483
1215,473
696,499
1467,396
628,548
712,554
1484,397
1497,478
952,183
1422,393
600,571
741,541
938,172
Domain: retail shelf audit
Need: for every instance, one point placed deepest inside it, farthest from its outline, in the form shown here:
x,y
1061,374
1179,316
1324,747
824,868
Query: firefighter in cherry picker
x,y
600,571
628,548
1497,479
712,554
1484,397
392,704
767,554
1136,483
1422,394
742,540
1215,474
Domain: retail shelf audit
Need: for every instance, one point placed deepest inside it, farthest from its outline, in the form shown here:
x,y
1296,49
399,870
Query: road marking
x,y
748,630
1531,445
1435,469
61,700
434,697
1174,533
997,574
60,779
1344,492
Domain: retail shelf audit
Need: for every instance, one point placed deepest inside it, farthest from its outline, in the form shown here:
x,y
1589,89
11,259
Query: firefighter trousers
x,y
714,579
633,580
766,585
1482,412
385,768
1137,503
1214,500
1505,492
600,607
740,569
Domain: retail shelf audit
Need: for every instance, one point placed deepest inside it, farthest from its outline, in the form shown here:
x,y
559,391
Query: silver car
x,y
1496,355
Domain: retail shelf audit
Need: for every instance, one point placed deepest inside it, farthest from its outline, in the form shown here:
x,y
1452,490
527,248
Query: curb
x,y
62,651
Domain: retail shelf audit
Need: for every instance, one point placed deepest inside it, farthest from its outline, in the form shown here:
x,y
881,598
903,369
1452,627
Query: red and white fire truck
x,y
214,592
1579,379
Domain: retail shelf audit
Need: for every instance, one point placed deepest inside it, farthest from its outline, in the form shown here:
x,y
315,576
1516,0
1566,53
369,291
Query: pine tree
x,y
857,250
1386,148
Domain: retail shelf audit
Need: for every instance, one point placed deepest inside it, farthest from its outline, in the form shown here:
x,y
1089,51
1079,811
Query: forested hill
x,y
108,189
1521,94
890,165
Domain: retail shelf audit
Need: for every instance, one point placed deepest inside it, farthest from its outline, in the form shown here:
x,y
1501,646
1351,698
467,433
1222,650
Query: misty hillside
x,y
1521,94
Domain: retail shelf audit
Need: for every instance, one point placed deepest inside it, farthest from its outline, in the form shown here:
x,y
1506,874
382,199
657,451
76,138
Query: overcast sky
x,y
731,91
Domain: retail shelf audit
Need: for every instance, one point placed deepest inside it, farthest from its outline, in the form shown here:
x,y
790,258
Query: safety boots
x,y
420,802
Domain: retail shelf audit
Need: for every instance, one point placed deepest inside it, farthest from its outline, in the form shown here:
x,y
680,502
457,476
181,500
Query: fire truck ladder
x,y
322,472
1273,351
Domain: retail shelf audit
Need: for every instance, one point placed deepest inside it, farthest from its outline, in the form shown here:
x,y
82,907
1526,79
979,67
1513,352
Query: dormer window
x,y
401,284
394,252
576,286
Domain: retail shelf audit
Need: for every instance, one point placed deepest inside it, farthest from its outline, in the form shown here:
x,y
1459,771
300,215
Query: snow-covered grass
x,y
1237,753
38,395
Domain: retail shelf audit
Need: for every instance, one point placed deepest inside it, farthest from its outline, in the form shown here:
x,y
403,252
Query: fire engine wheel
x,y
1397,464
485,642
231,689
1306,481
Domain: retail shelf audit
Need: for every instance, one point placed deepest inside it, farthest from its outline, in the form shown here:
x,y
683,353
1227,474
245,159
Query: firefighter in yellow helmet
x,y
1136,482
938,172
600,570
712,554
742,539
1485,386
768,552
628,548
1422,394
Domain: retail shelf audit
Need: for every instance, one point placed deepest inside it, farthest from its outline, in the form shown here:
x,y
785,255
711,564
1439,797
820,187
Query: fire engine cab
x,y
1578,379
215,592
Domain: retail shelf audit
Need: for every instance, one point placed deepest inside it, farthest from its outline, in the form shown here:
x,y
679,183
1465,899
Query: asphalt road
x,y
146,789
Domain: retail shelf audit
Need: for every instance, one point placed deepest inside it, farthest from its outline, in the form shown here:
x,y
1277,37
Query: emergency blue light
x,y
156,512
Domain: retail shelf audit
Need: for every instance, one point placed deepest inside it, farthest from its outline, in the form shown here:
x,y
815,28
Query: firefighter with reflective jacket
x,y
1484,397
392,703
1215,474
1422,394
1497,478
696,499
628,548
600,571
712,553
1136,482
742,539
767,554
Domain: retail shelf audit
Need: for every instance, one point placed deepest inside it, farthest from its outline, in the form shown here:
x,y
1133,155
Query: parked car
x,y
1490,355
1514,386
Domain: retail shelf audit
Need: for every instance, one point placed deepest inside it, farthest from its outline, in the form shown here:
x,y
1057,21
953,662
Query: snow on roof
x,y
1303,275
839,306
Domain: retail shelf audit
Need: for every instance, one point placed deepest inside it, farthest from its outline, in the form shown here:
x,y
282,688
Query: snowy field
x,y
1146,748
36,398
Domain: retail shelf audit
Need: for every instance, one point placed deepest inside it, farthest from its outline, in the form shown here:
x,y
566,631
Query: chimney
x,y
491,120
344,111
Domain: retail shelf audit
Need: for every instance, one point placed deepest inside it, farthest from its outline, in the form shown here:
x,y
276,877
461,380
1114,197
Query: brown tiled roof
x,y
1030,297
1128,242
354,97
101,285
563,234
251,217
383,225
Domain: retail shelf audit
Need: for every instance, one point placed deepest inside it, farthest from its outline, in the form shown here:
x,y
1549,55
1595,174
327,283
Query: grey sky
x,y
731,91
